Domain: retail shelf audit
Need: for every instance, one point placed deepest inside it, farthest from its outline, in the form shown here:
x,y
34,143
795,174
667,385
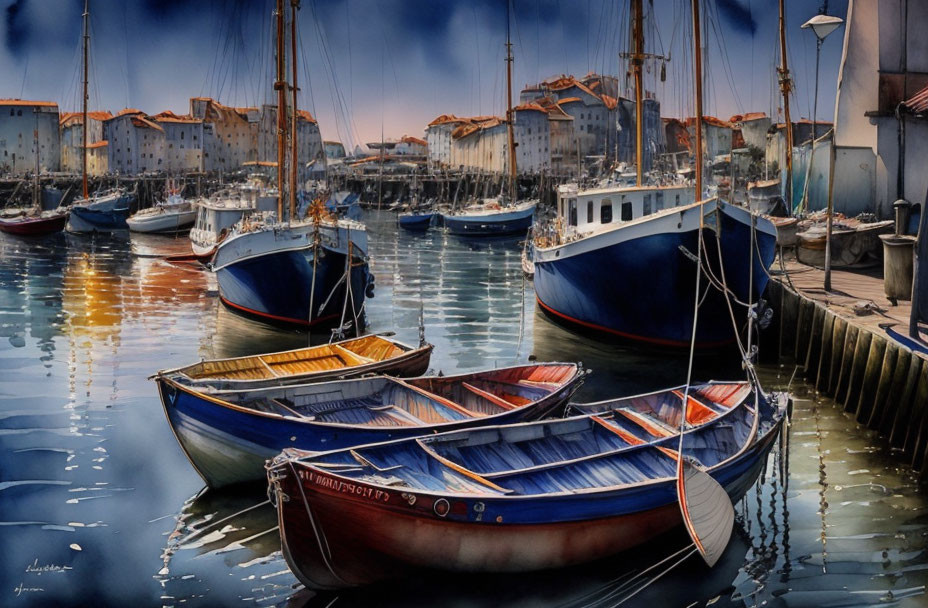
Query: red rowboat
x,y
28,224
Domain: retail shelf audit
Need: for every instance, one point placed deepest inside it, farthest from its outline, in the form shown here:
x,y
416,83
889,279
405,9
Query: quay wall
x,y
878,381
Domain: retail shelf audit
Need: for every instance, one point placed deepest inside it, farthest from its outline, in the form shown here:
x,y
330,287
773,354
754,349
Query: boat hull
x,y
34,226
277,288
166,223
415,222
371,535
108,215
229,445
650,296
490,224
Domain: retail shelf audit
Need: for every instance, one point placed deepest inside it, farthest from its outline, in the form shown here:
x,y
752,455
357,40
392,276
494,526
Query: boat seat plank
x,y
501,402
349,357
649,423
697,412
459,469
446,402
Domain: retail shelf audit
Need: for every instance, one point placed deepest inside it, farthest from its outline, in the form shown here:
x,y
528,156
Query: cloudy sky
x,y
368,65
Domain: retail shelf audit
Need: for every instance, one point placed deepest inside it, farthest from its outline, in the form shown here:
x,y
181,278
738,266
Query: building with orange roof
x,y
183,142
310,150
71,127
438,138
230,135
136,143
411,146
753,127
20,120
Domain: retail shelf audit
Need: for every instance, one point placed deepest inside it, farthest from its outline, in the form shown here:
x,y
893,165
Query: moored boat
x,y
170,216
514,498
34,223
228,435
102,212
346,359
415,220
491,218
215,217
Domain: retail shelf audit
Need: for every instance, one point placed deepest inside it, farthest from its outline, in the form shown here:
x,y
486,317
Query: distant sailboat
x,y
497,216
104,211
295,273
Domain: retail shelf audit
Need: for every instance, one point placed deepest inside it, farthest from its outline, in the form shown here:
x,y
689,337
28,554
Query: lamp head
x,y
822,25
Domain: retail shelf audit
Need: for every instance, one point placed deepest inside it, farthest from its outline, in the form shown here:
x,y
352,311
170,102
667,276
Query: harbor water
x,y
99,506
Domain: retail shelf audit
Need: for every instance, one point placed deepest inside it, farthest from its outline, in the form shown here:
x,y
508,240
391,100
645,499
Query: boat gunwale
x,y
577,376
751,441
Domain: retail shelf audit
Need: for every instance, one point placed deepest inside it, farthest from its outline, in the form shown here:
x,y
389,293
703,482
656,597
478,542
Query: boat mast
x,y
35,181
86,39
294,5
697,79
786,86
637,60
509,113
280,85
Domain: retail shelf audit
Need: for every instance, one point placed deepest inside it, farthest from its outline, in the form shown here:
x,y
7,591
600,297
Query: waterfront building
x,y
532,135
19,121
230,135
438,139
753,127
310,149
481,143
411,146
71,135
183,135
334,150
135,145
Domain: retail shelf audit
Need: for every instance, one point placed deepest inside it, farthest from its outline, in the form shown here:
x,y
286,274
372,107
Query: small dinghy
x,y
228,435
521,497
356,357
415,220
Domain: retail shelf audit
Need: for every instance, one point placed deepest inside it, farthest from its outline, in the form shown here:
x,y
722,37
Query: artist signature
x,y
38,569
21,588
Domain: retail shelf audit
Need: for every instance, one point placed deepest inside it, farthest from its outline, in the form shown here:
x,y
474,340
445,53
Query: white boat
x,y
170,216
491,218
215,217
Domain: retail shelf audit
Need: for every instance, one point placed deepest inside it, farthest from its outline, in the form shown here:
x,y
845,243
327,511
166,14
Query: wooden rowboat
x,y
228,435
514,498
349,358
35,223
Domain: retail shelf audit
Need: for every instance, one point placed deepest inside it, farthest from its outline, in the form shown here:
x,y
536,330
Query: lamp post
x,y
821,26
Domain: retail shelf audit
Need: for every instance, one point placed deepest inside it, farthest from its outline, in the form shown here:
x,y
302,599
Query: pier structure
x,y
838,342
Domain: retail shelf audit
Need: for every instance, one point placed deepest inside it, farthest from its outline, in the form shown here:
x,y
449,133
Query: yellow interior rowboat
x,y
368,354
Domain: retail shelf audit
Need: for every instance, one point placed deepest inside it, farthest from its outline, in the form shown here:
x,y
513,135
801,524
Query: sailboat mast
x,y
637,60
35,181
86,39
281,86
509,112
697,80
785,86
294,5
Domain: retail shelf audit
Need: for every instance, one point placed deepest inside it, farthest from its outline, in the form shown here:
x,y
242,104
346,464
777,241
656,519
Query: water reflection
x,y
94,487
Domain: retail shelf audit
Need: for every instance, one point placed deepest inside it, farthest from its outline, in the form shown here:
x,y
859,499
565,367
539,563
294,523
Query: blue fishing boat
x,y
491,218
415,220
521,497
101,212
228,435
625,264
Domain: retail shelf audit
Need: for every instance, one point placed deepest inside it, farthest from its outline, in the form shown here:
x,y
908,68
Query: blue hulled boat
x,y
415,220
622,261
491,218
295,274
229,434
102,212
522,497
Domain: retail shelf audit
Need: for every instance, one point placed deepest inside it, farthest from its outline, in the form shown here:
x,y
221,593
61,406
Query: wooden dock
x,y
836,341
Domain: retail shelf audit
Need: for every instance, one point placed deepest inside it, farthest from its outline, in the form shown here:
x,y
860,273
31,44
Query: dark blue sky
x,y
399,63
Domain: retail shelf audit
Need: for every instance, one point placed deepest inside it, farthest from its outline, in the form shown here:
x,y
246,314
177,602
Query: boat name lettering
x,y
345,487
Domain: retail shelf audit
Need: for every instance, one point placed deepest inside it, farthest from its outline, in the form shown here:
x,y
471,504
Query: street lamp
x,y
821,26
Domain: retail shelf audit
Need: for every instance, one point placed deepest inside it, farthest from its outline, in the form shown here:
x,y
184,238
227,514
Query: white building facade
x,y
20,120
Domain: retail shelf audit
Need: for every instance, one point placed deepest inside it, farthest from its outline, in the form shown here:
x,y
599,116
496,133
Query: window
x,y
646,206
659,200
677,201
589,212
626,212
605,212
572,205
19,112
181,134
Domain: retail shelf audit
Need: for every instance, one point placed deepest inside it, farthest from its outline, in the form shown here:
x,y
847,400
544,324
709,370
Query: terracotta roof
x,y
408,139
26,102
747,117
709,120
168,116
472,127
918,103
531,105
78,117
304,115
129,111
567,100
446,119
260,163
610,102
144,123
99,144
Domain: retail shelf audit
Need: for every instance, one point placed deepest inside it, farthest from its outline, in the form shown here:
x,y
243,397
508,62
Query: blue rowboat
x,y
585,270
228,435
415,220
104,212
515,498
491,219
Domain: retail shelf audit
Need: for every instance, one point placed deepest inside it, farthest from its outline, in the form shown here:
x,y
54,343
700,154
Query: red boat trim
x,y
659,341
276,317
